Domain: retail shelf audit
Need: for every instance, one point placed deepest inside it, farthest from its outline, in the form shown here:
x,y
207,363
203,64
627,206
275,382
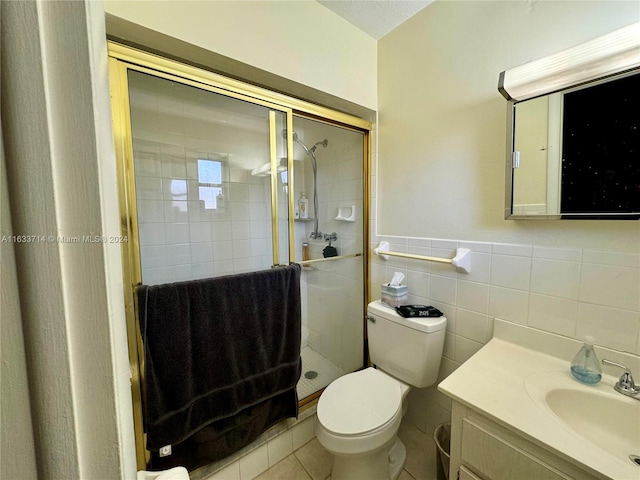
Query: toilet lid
x,y
359,402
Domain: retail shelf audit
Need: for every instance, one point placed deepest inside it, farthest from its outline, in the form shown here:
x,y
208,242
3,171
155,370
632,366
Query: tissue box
x,y
394,295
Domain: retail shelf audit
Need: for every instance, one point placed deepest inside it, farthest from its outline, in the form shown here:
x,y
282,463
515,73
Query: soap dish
x,y
347,214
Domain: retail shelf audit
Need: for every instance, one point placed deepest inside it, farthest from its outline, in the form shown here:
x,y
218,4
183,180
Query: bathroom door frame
x,y
122,59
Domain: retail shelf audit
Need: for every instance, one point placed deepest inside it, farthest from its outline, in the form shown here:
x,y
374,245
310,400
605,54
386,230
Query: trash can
x,y
442,438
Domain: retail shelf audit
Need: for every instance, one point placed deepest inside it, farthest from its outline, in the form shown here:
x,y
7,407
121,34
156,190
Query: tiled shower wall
x,y
570,292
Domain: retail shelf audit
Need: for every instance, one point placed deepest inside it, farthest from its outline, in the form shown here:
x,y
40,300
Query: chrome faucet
x,y
625,384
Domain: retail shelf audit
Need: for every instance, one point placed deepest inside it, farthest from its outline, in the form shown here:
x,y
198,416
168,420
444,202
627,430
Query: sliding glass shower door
x,y
203,183
217,178
329,172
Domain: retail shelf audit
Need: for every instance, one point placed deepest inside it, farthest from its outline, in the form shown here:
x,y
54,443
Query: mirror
x,y
575,154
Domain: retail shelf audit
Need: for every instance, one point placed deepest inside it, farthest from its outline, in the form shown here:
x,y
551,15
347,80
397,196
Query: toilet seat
x,y
359,403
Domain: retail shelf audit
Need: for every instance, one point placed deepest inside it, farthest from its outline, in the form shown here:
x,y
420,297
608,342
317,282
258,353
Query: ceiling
x,y
375,17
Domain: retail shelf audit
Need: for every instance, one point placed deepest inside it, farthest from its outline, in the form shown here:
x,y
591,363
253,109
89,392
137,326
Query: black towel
x,y
216,347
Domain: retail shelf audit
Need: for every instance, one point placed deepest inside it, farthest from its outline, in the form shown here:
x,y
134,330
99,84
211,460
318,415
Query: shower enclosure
x,y
211,173
332,290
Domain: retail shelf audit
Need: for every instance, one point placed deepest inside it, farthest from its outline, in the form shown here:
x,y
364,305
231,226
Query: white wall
x,y
302,40
61,175
440,185
443,122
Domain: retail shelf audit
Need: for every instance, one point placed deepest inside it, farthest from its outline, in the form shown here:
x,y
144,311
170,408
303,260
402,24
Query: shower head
x,y
295,135
309,151
323,143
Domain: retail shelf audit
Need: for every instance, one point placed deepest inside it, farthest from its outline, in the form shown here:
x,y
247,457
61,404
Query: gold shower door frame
x,y
121,60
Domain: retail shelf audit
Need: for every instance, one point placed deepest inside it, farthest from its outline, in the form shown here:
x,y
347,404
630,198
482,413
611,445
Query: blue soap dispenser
x,y
585,366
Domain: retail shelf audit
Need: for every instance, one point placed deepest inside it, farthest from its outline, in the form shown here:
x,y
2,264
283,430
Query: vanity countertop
x,y
493,382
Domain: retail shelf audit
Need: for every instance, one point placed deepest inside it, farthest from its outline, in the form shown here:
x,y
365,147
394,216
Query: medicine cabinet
x,y
573,132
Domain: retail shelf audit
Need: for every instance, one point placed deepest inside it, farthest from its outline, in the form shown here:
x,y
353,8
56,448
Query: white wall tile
x,y
156,276
241,249
174,167
419,242
473,296
241,230
230,472
447,245
567,254
553,314
151,234
512,249
153,256
303,432
147,164
202,252
148,188
556,278
611,327
176,233
222,267
443,289
200,232
240,211
511,271
242,264
239,192
611,258
279,447
150,211
449,345
179,254
202,270
611,286
465,348
254,463
222,251
418,283
472,325
176,211
221,231
179,273
509,304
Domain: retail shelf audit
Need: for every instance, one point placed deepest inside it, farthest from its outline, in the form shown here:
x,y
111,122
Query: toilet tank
x,y
409,349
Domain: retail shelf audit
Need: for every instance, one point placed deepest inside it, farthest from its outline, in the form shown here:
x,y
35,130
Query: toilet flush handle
x,y
371,319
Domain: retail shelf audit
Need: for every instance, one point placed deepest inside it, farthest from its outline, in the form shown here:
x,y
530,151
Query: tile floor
x,y
313,462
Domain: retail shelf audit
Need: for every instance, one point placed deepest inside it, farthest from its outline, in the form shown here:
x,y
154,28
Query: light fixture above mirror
x,y
616,52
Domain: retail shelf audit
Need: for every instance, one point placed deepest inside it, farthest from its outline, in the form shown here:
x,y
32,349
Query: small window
x,y
210,183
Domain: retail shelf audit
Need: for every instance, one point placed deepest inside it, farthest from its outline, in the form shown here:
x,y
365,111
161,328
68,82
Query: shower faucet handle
x,y
330,237
315,235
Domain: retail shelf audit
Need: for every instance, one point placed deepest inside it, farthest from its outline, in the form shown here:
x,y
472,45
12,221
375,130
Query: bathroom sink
x,y
597,413
611,423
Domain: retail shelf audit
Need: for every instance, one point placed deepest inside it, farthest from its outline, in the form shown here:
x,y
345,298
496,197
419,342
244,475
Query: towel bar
x,y
329,259
462,260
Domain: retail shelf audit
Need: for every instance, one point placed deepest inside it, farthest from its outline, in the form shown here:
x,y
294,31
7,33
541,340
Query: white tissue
x,y
397,279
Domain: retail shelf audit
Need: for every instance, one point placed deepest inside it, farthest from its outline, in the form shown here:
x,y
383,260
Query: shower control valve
x,y
331,237
315,235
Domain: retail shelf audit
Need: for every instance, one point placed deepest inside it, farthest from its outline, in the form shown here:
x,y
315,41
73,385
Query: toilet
x,y
359,414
